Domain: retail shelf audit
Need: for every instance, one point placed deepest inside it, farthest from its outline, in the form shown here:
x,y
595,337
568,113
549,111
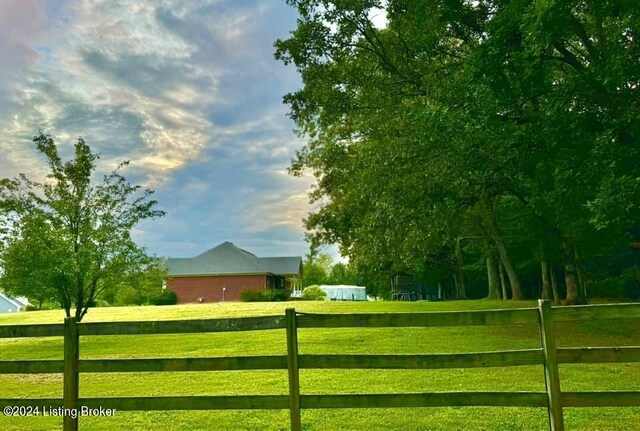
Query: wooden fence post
x,y
551,373
70,394
292,365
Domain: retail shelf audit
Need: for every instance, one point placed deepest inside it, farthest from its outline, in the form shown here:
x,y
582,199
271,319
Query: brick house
x,y
220,274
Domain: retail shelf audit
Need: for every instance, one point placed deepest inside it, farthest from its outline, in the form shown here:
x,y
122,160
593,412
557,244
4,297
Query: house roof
x,y
282,265
228,259
8,303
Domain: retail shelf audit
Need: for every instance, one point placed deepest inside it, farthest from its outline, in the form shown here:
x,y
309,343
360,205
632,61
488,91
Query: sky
x,y
187,90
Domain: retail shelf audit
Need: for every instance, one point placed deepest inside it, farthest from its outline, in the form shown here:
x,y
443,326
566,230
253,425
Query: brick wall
x,y
189,289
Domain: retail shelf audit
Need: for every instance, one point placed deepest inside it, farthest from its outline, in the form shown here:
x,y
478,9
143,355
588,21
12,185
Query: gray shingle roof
x,y
282,265
226,258
8,303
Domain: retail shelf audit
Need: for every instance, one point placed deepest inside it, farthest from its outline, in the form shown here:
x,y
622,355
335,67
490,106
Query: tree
x,y
342,274
67,237
29,272
398,162
454,105
141,286
316,270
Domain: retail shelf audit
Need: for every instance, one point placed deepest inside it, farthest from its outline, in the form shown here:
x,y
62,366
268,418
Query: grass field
x,y
409,340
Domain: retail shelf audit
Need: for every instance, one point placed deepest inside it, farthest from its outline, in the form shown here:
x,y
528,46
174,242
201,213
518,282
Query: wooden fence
x,y
553,399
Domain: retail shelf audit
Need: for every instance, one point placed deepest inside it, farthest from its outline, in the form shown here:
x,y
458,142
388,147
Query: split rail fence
x,y
548,355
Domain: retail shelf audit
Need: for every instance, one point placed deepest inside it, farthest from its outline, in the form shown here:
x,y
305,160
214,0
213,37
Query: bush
x,y
126,296
314,293
102,303
259,294
280,295
167,297
616,287
45,306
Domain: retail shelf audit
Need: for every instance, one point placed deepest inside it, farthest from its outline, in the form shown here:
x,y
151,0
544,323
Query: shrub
x,y
314,293
126,296
615,287
259,294
167,297
45,306
280,295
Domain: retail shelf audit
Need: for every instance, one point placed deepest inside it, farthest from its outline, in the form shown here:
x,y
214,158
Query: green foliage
x,y
314,293
341,274
167,297
138,287
280,295
316,269
126,296
511,123
67,239
261,294
321,269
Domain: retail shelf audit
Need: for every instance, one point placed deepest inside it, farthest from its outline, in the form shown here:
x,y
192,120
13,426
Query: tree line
x,y
321,269
495,141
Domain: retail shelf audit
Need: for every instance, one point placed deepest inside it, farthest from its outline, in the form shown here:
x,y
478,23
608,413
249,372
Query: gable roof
x,y
8,303
282,265
227,259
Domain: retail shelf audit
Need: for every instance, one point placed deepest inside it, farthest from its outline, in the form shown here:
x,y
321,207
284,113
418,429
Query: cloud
x,y
22,26
188,91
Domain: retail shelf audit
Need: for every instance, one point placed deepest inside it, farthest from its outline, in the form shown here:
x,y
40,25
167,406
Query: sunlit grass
x,y
383,340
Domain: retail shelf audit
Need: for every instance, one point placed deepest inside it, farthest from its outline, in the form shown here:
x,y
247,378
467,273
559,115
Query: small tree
x,y
342,274
67,238
316,269
139,287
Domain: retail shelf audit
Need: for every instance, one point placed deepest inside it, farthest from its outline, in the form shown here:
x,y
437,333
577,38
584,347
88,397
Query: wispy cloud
x,y
188,91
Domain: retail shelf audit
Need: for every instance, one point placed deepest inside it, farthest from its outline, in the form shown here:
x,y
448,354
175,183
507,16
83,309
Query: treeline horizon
x,y
489,148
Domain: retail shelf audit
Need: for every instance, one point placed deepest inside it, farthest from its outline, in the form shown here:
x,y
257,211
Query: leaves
x,y
67,239
531,106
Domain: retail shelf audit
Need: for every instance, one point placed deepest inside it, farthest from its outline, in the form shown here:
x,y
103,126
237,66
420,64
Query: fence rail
x,y
544,316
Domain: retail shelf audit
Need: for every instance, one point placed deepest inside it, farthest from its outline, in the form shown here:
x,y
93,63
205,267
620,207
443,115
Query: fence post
x,y
292,365
70,394
551,373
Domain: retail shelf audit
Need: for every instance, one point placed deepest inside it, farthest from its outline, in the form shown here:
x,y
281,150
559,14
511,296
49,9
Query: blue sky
x,y
187,90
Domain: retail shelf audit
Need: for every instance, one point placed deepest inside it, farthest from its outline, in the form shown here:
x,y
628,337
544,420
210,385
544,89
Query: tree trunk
x,y
503,282
514,281
572,285
461,291
637,264
493,277
582,278
516,291
574,295
458,282
554,286
545,294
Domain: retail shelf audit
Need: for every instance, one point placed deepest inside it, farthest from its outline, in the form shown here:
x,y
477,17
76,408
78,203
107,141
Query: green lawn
x,y
409,340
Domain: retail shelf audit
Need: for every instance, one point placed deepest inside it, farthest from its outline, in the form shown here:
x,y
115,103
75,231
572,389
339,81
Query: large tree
x,y
458,106
68,237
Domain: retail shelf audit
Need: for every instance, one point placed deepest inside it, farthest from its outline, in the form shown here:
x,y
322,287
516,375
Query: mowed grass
x,y
357,341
